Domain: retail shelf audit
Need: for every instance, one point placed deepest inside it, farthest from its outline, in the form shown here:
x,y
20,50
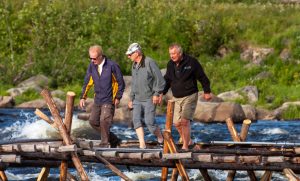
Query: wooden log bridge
x,y
47,153
222,155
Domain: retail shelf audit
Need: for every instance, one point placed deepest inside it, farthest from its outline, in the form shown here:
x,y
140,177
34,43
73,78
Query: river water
x,y
23,124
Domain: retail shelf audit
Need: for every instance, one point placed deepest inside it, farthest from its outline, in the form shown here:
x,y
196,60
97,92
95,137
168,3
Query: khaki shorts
x,y
185,107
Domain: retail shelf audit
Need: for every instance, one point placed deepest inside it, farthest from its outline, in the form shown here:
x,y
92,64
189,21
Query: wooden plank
x,y
152,155
177,156
10,158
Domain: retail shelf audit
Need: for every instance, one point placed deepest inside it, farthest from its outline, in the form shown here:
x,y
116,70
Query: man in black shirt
x,y
183,72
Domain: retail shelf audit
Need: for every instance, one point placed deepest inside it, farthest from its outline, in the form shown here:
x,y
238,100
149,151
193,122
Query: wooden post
x,y
243,137
45,170
43,174
169,122
174,176
244,129
68,123
234,134
70,177
45,118
63,132
205,174
3,175
267,176
290,175
173,149
236,137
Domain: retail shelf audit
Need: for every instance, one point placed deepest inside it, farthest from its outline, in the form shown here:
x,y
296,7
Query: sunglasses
x,y
129,55
95,58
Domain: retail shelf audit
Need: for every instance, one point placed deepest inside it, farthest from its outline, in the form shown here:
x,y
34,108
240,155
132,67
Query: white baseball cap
x,y
132,48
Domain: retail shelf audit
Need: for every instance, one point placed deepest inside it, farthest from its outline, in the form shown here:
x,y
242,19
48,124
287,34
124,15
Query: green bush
x,y
293,112
52,38
28,95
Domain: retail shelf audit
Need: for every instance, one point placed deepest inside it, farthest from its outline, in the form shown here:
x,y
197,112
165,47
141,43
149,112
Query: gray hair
x,y
177,46
96,48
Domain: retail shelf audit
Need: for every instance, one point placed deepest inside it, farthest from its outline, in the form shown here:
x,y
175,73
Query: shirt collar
x,y
102,63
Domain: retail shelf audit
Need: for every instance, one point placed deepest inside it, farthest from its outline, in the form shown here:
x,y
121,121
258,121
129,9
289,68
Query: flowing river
x,y
24,124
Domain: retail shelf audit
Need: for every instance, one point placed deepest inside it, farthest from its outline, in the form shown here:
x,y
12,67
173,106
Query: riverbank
x,y
220,108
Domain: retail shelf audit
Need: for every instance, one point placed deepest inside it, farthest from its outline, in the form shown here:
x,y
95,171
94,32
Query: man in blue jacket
x,y
107,79
183,72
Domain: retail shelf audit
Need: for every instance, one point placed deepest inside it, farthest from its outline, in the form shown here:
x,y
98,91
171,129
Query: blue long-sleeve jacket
x,y
108,86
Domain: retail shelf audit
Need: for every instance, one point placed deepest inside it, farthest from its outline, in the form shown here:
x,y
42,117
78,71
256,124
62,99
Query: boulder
x,y
251,92
58,93
263,75
278,112
123,114
36,83
230,96
6,101
213,98
41,103
285,55
263,114
255,54
20,90
250,112
218,112
38,80
223,51
205,111
126,95
229,110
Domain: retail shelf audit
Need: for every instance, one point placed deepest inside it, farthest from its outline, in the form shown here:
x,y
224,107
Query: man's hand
x,y
157,99
82,103
130,105
207,96
116,102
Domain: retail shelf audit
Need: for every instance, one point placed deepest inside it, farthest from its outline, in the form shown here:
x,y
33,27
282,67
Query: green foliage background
x,y
51,37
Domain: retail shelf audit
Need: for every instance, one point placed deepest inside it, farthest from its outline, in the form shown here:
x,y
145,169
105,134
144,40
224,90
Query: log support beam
x,y
63,132
169,122
173,149
239,138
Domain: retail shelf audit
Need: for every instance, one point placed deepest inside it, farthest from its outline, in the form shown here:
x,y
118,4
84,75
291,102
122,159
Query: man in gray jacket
x,y
146,92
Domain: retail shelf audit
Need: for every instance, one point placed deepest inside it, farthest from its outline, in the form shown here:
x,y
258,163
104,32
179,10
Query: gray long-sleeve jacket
x,y
147,80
